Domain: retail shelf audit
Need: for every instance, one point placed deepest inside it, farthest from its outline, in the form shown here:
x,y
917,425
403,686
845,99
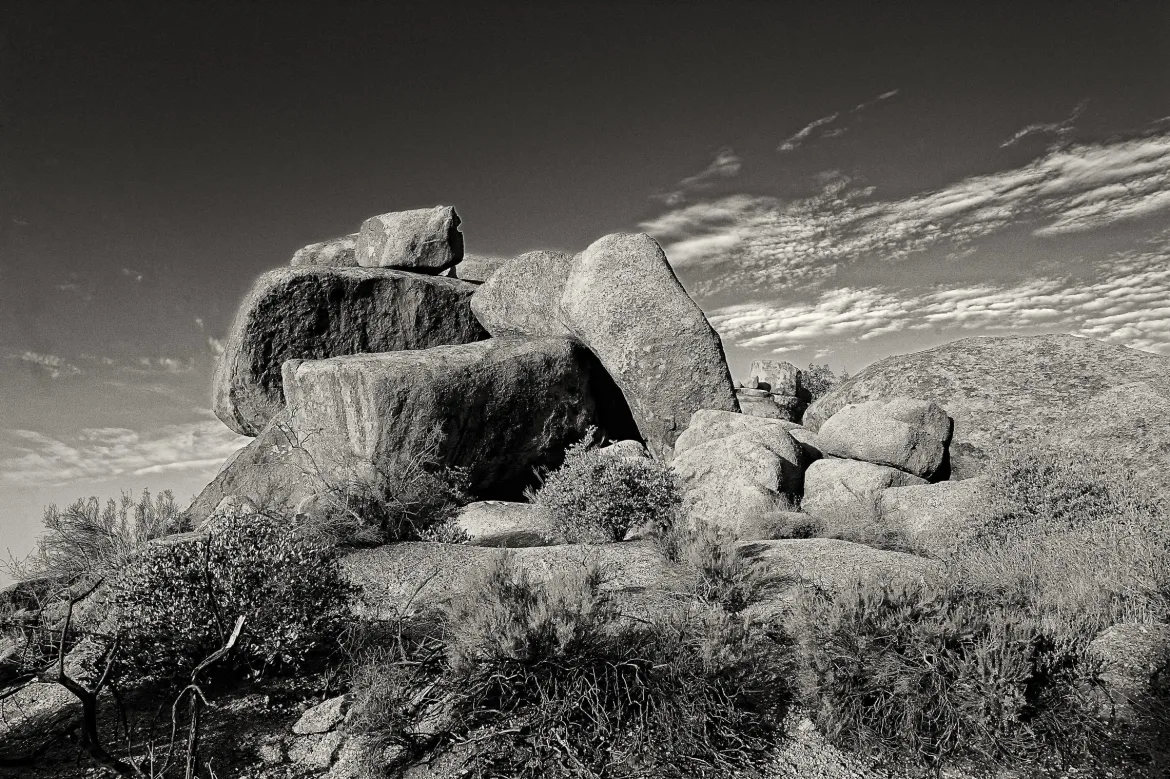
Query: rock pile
x,y
774,390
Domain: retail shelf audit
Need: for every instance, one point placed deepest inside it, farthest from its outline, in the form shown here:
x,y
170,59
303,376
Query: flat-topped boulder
x,y
314,313
505,524
708,424
499,408
424,240
334,253
523,296
777,376
904,433
1003,391
623,300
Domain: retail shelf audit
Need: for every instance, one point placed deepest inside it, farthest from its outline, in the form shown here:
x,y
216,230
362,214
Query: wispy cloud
x,y
1059,130
726,165
51,365
813,128
1127,303
36,459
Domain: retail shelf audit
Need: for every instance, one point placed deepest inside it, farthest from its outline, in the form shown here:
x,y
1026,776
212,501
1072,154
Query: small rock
x,y
425,240
272,752
323,717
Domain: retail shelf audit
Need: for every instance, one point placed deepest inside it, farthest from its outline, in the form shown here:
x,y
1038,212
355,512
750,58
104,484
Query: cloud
x,y
1061,130
35,459
1126,303
50,364
754,241
726,165
797,139
216,346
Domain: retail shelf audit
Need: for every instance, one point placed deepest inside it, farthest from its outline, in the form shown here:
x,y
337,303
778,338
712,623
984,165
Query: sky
x,y
833,182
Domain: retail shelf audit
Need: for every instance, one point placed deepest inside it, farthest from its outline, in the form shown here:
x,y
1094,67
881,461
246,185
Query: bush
x,y
926,675
177,601
723,575
551,680
819,380
595,497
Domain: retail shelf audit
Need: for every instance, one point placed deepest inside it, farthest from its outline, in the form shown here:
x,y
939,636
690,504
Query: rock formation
x,y
903,433
334,253
425,240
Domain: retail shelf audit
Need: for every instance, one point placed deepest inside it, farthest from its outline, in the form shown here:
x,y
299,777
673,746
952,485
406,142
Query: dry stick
x,y
197,698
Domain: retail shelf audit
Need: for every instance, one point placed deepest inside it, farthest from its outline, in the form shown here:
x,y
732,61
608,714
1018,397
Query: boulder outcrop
x,y
334,253
904,433
523,296
931,514
778,377
499,408
624,302
425,240
1009,390
314,313
708,424
477,267
505,524
847,490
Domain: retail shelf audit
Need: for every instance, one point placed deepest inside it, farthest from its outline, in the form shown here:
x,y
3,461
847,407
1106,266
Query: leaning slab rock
x,y
317,312
426,240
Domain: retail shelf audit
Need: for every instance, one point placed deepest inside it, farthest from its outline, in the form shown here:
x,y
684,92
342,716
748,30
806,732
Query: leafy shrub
x,y
819,380
177,601
723,574
927,675
594,497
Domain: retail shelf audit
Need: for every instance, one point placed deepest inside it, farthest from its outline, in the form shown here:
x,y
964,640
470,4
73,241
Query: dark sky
x,y
833,181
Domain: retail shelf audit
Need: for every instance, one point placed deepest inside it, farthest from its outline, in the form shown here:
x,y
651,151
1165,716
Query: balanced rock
x,y
505,523
425,240
742,475
334,253
903,433
523,296
623,300
499,408
313,313
780,378
846,491
477,267
1005,391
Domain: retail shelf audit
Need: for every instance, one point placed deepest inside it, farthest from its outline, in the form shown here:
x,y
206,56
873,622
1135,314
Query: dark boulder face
x,y
1020,390
500,408
315,313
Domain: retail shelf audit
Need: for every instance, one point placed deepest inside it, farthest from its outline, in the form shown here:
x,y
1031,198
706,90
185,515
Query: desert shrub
x,y
87,539
723,574
819,380
925,675
594,497
178,601
549,679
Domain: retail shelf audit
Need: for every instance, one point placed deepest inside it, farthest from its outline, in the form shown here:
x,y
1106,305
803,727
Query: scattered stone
x,y
315,752
523,297
498,408
780,378
742,475
626,448
477,267
323,717
623,300
334,253
903,433
846,491
314,313
425,240
505,524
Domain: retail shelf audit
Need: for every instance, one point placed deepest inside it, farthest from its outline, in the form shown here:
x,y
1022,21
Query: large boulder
x,y
334,253
834,564
845,492
425,240
778,377
499,408
932,514
743,475
708,424
523,296
1013,390
477,267
903,433
313,313
623,300
505,523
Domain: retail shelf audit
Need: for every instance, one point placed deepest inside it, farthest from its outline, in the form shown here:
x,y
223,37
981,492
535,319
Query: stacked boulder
x,y
774,391
362,359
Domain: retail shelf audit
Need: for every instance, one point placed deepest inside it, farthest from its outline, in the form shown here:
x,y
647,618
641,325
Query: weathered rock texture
x,y
903,433
623,300
523,297
1003,391
780,378
478,268
313,313
425,240
847,490
835,564
499,408
932,513
505,524
708,424
746,474
334,253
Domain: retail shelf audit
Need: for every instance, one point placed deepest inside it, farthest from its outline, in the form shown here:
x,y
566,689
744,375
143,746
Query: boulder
x,y
334,253
845,492
625,448
425,240
523,296
499,408
1135,666
505,524
778,377
791,406
761,407
1004,391
708,424
744,475
477,267
903,433
323,717
313,313
834,564
932,514
623,300
809,441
